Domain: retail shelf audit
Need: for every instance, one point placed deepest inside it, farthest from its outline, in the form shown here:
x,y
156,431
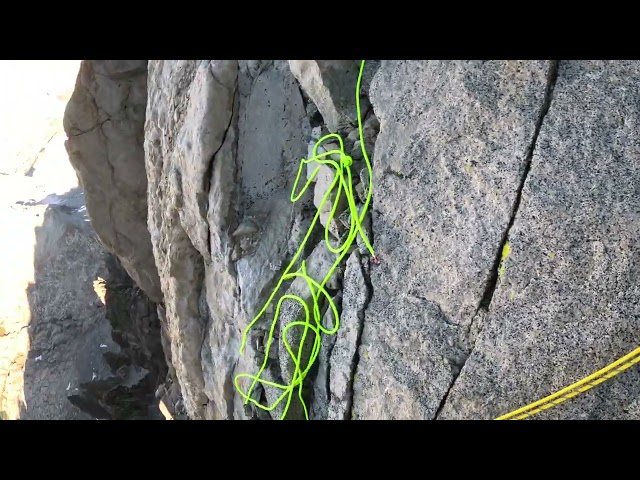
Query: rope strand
x,y
576,388
342,181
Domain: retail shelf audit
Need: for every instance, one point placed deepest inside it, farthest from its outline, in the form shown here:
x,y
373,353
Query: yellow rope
x,y
575,389
343,181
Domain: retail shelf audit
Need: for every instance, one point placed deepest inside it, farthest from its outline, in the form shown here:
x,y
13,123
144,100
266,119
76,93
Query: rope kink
x,y
575,389
342,181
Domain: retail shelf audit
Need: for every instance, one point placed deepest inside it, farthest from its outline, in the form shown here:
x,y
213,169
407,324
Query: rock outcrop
x,y
478,161
330,84
567,302
104,122
223,144
453,145
505,216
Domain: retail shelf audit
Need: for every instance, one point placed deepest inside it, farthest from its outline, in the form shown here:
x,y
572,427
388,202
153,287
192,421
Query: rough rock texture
x,y
568,301
331,85
344,355
512,161
104,121
222,144
317,267
505,216
321,387
453,146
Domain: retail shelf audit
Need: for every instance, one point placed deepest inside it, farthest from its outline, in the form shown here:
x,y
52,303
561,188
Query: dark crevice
x,y
552,76
99,125
328,375
456,373
366,274
209,172
229,390
139,366
487,297
315,117
446,395
356,356
205,315
305,99
390,171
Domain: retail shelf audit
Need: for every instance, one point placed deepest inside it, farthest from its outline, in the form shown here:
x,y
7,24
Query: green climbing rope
x,y
343,182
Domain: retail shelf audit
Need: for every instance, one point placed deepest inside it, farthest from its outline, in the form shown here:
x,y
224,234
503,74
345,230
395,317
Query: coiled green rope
x,y
313,319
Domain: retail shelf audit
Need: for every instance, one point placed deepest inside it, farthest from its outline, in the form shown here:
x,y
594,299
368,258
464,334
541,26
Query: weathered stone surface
x,y
344,352
223,141
104,122
568,301
321,387
451,332
272,138
452,148
331,86
189,111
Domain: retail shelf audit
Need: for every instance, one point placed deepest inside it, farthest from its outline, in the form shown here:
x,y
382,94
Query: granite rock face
x,y
104,123
453,147
505,216
568,302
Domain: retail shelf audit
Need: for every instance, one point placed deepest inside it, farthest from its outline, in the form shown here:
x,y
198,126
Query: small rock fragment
x,y
361,191
356,151
248,227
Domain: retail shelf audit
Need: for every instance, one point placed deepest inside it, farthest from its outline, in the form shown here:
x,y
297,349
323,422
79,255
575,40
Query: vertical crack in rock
x,y
454,379
209,172
485,302
491,285
223,293
345,357
205,315
184,309
356,356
